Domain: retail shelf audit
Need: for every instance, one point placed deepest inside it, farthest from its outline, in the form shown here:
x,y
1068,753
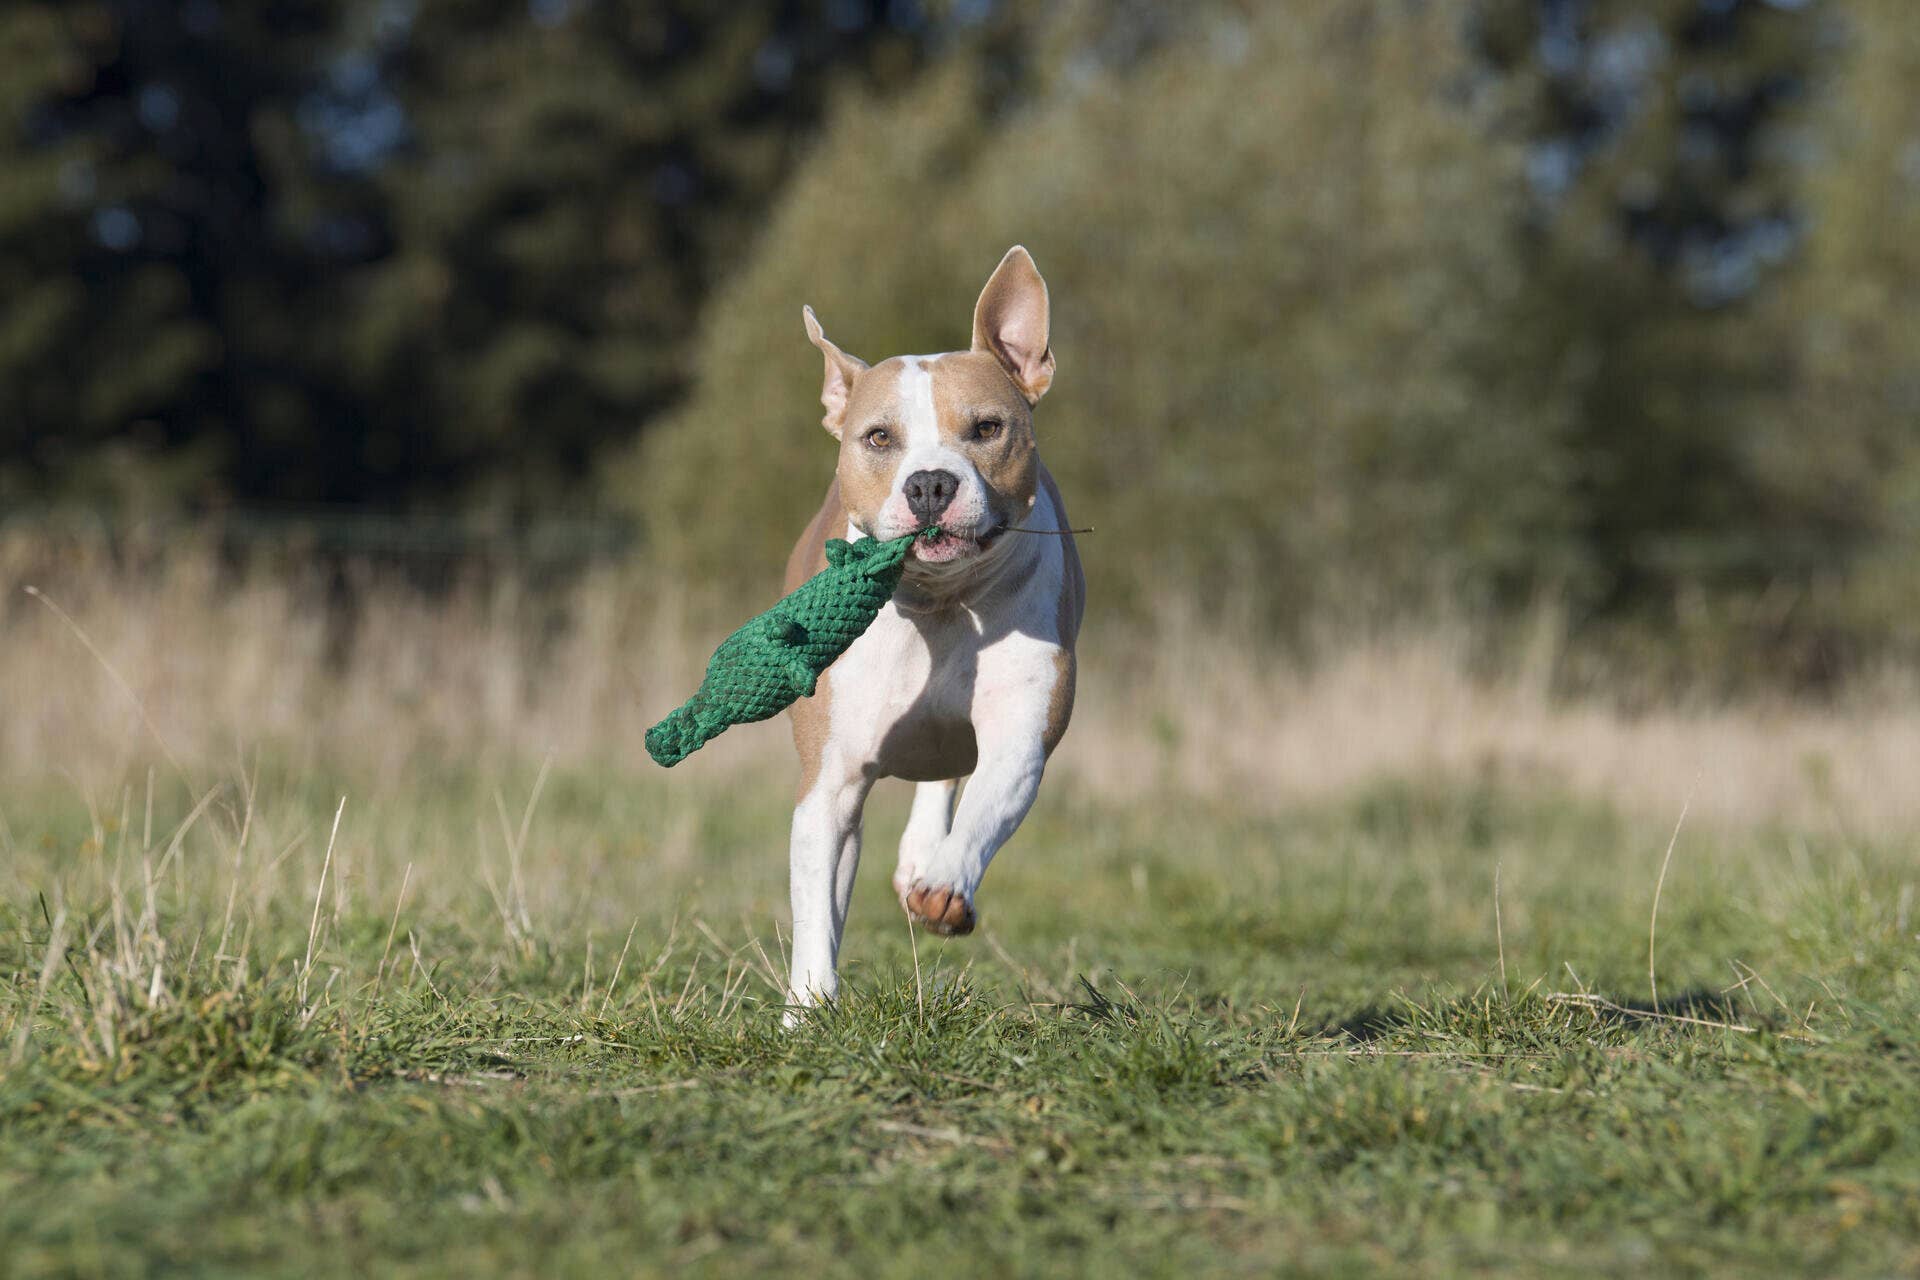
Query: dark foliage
x,y
380,250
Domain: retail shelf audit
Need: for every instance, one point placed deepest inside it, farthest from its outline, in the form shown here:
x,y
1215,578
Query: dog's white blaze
x,y
922,423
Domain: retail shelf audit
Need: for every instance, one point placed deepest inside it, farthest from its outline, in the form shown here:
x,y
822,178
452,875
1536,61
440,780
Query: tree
x,y
1664,212
1280,253
363,250
571,190
130,171
1844,439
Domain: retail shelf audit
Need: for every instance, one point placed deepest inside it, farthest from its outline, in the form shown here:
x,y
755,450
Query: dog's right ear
x,y
841,371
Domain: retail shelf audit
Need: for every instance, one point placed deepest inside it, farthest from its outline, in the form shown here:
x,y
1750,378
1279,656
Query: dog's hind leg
x,y
927,825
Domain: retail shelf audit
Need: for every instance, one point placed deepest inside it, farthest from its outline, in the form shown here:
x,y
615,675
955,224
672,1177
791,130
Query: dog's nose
x,y
928,493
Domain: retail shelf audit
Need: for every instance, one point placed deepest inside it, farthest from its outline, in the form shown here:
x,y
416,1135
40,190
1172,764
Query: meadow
x,y
330,948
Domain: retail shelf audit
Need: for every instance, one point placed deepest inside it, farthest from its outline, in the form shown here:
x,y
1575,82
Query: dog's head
x,y
945,440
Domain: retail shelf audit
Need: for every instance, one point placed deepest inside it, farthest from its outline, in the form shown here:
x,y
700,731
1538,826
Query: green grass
x,y
1185,1041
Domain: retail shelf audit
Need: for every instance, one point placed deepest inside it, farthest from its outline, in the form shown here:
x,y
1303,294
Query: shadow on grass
x,y
1374,1023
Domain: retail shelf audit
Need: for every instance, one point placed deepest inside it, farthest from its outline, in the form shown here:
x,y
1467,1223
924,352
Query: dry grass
x,y
1205,713
205,664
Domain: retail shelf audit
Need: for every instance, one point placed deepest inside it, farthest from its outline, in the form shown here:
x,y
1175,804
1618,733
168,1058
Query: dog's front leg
x,y
1012,757
823,854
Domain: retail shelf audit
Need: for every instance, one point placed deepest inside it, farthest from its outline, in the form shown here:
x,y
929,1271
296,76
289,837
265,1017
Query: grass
x,y
539,1034
1318,967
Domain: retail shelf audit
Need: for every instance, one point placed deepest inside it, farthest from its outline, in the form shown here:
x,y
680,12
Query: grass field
x,y
1185,1040
309,966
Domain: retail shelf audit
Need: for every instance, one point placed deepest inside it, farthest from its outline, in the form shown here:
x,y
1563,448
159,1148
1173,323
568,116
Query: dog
x,y
969,670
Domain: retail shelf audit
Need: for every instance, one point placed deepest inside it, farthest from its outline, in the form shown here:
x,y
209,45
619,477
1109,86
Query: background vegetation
x,y
1372,304
378,251
1359,307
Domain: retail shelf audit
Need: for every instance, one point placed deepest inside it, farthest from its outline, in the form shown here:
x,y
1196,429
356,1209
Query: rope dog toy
x,y
759,670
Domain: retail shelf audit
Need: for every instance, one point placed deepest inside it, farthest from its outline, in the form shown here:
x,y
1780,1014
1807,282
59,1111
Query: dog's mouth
x,y
943,546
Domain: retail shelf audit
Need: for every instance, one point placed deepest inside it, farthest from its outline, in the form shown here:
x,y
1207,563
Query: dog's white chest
x,y
903,695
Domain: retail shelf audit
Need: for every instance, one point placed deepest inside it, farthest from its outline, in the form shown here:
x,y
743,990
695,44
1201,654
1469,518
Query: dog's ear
x,y
841,371
1010,320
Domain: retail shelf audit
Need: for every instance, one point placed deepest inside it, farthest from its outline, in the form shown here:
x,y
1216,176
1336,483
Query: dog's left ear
x,y
1010,320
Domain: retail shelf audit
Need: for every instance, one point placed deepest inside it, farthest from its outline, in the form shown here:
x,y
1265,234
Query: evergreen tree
x,y
137,213
1844,435
573,184
380,250
1664,210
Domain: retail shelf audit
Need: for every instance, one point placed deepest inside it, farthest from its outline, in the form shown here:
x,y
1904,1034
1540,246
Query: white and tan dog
x,y
969,669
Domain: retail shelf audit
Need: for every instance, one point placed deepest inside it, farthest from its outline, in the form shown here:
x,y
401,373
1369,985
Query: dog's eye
x,y
987,429
879,438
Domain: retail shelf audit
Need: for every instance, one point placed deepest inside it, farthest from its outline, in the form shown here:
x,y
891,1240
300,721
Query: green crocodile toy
x,y
759,670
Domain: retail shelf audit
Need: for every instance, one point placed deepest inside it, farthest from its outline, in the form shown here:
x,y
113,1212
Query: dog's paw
x,y
945,911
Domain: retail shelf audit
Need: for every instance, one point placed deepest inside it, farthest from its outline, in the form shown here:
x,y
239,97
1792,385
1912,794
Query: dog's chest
x,y
903,694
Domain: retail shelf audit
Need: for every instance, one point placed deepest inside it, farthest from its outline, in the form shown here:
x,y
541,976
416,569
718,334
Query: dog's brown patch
x,y
812,716
865,475
969,388
1073,607
1060,701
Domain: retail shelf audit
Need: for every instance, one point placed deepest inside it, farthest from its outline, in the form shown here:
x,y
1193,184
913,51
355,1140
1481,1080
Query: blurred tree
x,y
1281,261
576,177
1663,207
382,249
1843,438
1606,297
132,182
1655,123
1349,307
